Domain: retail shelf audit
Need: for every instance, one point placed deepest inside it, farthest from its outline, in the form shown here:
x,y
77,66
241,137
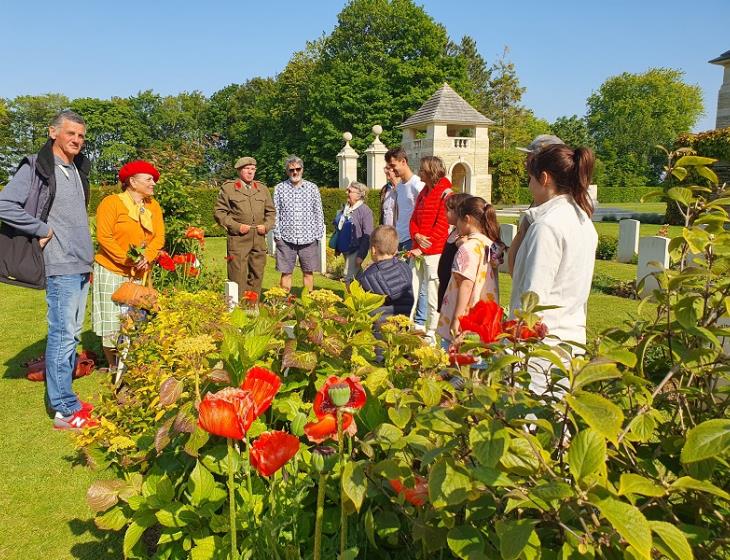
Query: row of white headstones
x,y
652,251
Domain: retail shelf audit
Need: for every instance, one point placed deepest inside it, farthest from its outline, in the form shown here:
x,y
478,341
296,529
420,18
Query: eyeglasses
x,y
294,169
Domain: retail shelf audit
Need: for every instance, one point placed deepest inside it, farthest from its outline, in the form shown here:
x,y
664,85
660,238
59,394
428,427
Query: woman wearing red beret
x,y
129,218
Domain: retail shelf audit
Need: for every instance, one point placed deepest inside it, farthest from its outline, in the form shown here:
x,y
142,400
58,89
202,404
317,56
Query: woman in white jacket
x,y
556,256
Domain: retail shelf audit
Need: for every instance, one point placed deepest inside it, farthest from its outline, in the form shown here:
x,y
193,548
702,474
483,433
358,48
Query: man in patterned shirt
x,y
299,225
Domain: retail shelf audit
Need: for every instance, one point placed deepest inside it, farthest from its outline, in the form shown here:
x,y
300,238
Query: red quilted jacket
x,y
429,217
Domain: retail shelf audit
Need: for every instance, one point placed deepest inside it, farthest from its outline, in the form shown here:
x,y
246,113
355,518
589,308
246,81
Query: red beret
x,y
139,166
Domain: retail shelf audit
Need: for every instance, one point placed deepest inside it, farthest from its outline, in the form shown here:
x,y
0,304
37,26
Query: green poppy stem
x,y
248,468
321,487
343,516
232,500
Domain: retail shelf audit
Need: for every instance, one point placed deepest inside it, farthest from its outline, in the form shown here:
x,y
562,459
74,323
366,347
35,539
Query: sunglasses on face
x,y
294,170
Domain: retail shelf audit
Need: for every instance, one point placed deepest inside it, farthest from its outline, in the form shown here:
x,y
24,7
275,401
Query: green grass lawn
x,y
43,513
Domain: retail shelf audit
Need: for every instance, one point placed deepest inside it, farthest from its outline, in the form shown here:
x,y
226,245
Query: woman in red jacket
x,y
429,230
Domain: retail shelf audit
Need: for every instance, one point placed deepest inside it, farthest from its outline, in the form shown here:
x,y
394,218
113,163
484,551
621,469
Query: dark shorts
x,y
287,253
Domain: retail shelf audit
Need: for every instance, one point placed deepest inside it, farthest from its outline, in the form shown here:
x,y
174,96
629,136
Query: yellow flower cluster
x,y
325,297
431,358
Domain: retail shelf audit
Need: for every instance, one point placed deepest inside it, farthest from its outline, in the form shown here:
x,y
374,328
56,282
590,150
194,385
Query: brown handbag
x,y
142,295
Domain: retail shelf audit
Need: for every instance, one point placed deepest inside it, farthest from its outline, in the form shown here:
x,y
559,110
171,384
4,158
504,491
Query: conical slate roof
x,y
724,57
446,106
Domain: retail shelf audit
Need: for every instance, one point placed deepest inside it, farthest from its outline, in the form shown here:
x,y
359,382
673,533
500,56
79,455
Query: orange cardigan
x,y
116,232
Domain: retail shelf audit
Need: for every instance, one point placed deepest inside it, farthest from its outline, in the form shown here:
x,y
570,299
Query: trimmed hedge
x,y
606,195
204,199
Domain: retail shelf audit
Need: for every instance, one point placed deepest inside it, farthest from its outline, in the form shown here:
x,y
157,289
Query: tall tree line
x,y
366,71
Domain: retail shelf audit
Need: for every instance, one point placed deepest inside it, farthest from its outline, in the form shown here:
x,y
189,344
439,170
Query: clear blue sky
x,y
563,50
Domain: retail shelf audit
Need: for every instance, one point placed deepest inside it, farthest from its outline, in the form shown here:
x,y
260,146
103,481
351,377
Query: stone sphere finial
x,y
347,136
377,130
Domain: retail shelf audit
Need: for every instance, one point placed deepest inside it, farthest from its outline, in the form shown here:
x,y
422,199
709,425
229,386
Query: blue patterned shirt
x,y
299,214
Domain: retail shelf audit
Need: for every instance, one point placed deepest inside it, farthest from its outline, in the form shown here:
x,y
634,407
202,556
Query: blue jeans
x,y
66,299
422,303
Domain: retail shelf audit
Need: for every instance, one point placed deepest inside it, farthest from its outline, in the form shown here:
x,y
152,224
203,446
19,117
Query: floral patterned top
x,y
474,261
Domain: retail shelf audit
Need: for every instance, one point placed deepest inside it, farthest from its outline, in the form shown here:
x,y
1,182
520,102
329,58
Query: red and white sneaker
x,y
86,407
77,421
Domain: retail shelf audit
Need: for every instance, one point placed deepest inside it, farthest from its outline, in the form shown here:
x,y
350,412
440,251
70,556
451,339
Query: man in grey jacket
x,y
46,199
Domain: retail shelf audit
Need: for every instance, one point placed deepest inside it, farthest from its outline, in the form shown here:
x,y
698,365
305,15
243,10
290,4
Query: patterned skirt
x,y
105,314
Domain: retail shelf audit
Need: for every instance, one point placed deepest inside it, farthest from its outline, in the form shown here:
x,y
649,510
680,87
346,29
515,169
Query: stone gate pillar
x,y
347,159
376,160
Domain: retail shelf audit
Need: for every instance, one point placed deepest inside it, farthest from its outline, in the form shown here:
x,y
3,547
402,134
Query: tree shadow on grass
x,y
98,545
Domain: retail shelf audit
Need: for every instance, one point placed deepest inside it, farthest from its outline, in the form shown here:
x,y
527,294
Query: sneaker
x,y
419,328
86,407
75,421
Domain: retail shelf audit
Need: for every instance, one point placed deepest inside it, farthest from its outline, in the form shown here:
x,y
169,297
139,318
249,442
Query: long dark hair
x,y
570,169
484,214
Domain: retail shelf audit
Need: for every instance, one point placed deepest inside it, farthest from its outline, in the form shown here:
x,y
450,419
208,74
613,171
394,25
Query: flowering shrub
x,y
539,452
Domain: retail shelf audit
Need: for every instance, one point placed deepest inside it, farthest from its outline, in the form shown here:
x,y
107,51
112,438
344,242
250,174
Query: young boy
x,y
388,275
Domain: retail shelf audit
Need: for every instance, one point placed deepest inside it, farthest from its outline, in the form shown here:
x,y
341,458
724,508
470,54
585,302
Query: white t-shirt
x,y
555,260
406,194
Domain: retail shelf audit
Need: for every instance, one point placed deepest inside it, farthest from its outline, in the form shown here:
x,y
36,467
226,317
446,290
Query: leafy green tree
x,y
480,75
30,116
114,132
6,139
504,94
573,131
631,114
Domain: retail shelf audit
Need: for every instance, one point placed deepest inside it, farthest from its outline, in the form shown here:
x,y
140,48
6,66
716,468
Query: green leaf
x,y
708,174
430,391
103,494
691,161
671,541
628,522
200,484
205,548
707,440
376,379
176,515
514,537
689,483
636,484
587,453
400,416
682,195
369,523
466,542
131,537
354,483
489,441
556,490
642,427
447,486
197,439
599,413
492,477
112,520
597,370
680,173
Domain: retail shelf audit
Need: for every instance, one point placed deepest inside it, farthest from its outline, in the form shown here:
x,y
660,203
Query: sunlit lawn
x,y
43,513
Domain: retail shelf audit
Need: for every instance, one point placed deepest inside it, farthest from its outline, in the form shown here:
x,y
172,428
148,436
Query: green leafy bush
x,y
607,247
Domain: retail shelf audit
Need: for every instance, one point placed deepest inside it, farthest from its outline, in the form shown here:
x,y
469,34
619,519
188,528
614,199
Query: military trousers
x,y
247,260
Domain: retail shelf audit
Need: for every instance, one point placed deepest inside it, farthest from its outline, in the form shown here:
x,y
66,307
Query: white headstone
x,y
347,159
231,293
628,240
270,245
653,256
507,233
375,155
593,194
323,253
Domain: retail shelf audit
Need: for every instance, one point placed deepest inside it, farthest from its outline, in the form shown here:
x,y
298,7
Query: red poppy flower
x,y
323,402
326,428
195,233
272,450
166,261
251,297
263,384
227,413
416,495
457,359
184,258
485,319
518,330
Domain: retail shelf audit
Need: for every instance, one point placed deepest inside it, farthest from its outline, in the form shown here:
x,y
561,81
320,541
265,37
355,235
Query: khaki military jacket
x,y
237,205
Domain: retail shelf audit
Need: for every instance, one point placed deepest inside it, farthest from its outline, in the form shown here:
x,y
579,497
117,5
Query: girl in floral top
x,y
474,273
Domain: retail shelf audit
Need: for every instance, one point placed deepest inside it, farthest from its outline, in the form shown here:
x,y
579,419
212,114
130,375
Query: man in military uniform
x,y
246,211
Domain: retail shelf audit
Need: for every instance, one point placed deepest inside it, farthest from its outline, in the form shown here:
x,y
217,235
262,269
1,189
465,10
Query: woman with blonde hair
x,y
131,218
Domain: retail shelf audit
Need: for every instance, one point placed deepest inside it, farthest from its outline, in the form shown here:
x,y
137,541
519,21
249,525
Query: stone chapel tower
x,y
723,96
